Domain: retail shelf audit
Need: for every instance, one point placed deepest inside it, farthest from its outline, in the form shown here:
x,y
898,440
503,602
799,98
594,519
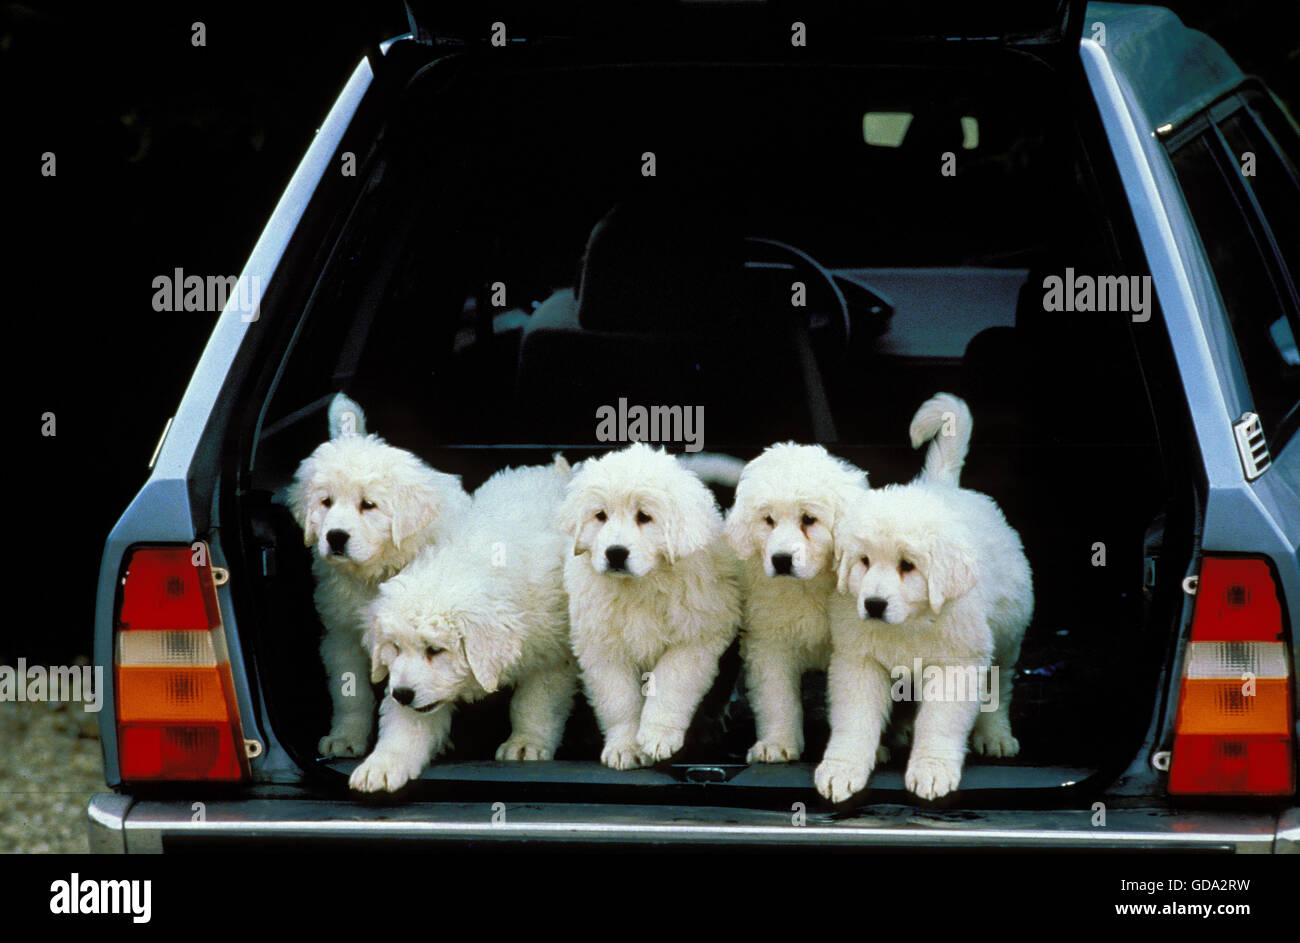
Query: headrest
x,y
1029,301
661,268
1081,327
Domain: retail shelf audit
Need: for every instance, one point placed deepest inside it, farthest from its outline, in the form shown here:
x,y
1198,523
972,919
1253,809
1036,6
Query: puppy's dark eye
x,y
808,520
433,652
367,505
643,518
770,521
326,502
906,566
866,561
601,516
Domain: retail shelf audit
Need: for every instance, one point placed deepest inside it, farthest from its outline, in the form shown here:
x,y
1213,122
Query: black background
x,y
171,155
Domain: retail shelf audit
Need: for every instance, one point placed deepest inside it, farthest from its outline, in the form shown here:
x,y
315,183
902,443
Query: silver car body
x,y
1261,516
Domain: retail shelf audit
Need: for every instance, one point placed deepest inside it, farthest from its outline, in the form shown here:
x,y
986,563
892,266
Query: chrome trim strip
x,y
897,826
106,823
1288,833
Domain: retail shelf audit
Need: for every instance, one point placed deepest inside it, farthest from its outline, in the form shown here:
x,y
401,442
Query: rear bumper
x,y
120,824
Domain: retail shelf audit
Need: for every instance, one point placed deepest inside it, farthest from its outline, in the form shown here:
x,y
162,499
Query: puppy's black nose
x,y
875,607
404,695
338,540
616,557
782,564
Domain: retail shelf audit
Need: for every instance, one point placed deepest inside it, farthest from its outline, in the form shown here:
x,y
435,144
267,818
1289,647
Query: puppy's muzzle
x,y
616,557
406,697
782,564
338,542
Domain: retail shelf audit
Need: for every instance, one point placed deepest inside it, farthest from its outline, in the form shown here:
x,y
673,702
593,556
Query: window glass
x,y
1273,184
1253,300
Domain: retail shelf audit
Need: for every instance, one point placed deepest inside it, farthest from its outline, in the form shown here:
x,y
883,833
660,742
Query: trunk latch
x,y
703,774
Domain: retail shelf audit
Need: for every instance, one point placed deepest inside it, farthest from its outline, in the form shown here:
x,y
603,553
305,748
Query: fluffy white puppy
x,y
788,502
483,611
781,525
930,576
367,508
654,597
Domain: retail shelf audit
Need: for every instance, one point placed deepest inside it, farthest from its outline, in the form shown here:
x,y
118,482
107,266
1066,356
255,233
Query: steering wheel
x,y
802,260
819,408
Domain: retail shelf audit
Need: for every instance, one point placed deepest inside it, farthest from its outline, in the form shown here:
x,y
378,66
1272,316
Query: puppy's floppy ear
x,y
490,652
420,496
843,566
571,517
299,497
950,570
373,641
346,417
841,498
691,519
739,528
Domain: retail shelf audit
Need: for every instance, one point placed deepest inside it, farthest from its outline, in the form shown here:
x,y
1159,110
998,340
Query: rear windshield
x,y
545,243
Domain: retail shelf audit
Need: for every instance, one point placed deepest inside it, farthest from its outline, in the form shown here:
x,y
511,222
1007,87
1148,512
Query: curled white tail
x,y
945,422
346,416
713,467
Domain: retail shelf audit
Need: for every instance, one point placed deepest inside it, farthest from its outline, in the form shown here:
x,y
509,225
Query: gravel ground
x,y
50,765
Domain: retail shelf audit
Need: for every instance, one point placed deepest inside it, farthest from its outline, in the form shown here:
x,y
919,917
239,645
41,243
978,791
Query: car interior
x,y
765,243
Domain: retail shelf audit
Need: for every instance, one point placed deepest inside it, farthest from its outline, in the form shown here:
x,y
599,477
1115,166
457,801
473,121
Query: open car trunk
x,y
447,309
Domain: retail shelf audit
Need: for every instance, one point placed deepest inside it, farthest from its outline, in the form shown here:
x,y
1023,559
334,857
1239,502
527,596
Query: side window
x,y
1271,177
1235,215
1280,191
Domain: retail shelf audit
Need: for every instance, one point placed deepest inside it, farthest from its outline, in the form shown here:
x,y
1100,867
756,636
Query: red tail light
x,y
1233,734
1236,601
177,717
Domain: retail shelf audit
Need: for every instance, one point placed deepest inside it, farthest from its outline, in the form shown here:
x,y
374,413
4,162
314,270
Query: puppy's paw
x,y
931,777
837,780
623,754
774,751
521,748
347,737
659,742
384,772
994,743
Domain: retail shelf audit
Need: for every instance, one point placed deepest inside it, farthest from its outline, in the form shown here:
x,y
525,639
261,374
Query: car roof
x,y
1173,71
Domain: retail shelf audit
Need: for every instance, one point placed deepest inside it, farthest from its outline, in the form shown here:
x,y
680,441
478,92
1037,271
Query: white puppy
x,y
781,525
484,611
788,503
368,509
654,597
930,576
